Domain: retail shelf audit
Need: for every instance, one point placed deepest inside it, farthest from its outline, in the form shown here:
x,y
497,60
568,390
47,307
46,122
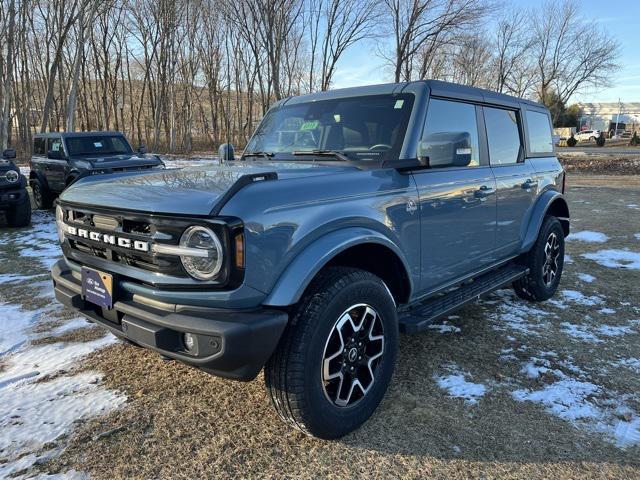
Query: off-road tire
x,y
532,286
293,374
41,195
19,215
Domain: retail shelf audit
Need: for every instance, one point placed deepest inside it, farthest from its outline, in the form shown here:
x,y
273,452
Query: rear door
x,y
457,203
516,179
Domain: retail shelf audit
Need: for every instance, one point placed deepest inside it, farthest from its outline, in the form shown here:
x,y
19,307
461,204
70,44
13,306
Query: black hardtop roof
x,y
79,134
438,89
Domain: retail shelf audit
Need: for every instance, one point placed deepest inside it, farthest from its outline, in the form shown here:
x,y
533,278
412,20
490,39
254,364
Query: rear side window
x,y
450,137
39,146
539,132
503,135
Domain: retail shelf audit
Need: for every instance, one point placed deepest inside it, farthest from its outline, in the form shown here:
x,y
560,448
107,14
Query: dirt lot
x,y
501,389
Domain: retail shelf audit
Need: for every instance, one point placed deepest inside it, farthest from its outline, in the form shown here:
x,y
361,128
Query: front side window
x,y
55,145
450,136
360,128
539,132
503,135
97,145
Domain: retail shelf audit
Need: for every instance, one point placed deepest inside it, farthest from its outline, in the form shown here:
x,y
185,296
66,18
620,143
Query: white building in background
x,y
603,116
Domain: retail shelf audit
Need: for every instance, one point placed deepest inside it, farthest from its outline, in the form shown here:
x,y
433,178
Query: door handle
x,y
484,192
528,184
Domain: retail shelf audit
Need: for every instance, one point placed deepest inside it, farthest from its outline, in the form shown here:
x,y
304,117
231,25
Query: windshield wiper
x,y
266,155
323,153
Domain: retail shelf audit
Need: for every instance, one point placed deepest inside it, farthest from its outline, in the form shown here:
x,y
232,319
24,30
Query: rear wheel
x,y
545,261
20,215
336,357
41,195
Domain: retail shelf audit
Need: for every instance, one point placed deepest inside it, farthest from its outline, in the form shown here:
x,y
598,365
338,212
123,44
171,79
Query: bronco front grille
x,y
128,238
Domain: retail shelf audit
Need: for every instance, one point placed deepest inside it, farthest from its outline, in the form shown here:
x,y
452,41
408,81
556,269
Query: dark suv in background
x,y
59,159
14,199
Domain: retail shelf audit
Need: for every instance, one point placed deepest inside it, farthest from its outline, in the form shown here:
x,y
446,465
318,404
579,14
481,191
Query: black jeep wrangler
x,y
14,199
59,159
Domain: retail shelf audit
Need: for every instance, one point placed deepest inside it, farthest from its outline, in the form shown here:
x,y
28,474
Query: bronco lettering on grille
x,y
108,239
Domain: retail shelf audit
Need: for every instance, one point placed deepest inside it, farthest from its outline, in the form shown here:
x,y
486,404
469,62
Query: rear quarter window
x,y
539,132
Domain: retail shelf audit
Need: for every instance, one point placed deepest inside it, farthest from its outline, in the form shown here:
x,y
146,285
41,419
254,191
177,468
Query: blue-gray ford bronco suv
x,y
351,216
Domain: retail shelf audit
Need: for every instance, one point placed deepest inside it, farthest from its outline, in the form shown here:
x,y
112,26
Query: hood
x,y
185,191
120,161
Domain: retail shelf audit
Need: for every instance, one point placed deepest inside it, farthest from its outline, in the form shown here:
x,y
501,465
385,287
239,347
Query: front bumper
x,y
229,343
10,197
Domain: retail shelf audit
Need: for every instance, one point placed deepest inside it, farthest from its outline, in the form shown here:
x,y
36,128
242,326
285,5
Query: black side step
x,y
425,313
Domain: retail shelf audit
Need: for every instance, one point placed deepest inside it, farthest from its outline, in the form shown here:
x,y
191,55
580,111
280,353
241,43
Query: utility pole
x,y
615,133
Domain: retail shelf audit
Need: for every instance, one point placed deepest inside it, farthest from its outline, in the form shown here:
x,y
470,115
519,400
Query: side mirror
x,y
9,153
447,149
142,149
226,153
55,154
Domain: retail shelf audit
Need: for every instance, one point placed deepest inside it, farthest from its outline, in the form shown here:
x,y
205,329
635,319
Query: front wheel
x,y
335,360
41,195
545,261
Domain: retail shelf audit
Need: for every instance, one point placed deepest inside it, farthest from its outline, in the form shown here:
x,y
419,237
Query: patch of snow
x,y
445,328
606,311
580,299
517,315
588,237
14,323
615,258
580,332
613,330
585,277
632,363
35,410
536,367
573,400
73,324
566,398
567,258
11,278
458,387
637,235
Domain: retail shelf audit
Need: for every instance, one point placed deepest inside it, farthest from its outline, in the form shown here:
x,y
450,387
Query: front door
x,y
56,167
457,196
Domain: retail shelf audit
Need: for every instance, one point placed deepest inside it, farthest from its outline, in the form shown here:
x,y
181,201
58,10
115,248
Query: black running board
x,y
419,317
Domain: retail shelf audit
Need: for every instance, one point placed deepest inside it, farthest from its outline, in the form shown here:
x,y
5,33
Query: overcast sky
x,y
362,66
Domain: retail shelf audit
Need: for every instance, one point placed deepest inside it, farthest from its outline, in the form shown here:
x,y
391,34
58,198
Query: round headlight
x,y
12,176
60,223
206,264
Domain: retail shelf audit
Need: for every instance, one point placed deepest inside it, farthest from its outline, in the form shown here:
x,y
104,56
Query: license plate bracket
x,y
97,287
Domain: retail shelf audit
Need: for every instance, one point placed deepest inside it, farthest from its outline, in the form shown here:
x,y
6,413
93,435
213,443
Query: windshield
x,y
98,145
360,128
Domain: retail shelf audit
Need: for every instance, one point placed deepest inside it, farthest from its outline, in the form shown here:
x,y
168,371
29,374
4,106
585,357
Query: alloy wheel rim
x,y
37,195
352,355
550,265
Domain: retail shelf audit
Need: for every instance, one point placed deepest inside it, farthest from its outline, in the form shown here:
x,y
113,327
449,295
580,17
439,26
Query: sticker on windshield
x,y
310,125
97,144
398,104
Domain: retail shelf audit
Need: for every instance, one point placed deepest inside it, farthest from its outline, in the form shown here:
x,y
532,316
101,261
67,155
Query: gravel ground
x,y
504,388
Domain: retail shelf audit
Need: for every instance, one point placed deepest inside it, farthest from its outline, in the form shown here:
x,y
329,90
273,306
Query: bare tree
x,y
571,53
512,45
415,23
7,90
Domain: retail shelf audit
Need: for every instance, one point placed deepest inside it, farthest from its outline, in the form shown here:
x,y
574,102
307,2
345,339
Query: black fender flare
x,y
550,202
35,174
